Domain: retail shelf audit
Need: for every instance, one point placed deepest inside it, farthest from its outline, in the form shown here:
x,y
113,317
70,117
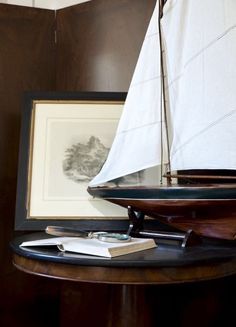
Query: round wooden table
x,y
168,264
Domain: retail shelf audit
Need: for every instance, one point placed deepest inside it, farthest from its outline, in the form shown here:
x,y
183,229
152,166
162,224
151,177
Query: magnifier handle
x,y
65,231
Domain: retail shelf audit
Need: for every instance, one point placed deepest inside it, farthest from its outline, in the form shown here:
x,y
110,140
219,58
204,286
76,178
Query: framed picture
x,y
65,138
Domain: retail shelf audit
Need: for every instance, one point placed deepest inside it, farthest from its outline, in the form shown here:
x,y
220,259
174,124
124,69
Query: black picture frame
x,y
23,220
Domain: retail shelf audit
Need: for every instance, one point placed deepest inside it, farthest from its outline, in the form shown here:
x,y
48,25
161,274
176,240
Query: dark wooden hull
x,y
209,210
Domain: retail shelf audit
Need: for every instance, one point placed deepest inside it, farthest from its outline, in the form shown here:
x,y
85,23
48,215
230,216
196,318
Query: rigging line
x,y
145,81
232,112
219,37
137,127
150,35
163,95
189,61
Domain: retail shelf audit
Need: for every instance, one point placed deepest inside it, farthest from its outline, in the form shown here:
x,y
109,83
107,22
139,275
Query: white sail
x,y
137,144
200,40
200,64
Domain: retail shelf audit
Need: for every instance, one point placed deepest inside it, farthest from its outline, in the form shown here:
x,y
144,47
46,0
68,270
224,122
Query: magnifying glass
x,y
101,236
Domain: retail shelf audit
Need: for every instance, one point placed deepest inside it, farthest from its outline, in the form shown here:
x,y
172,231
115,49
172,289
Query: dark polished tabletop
x,y
168,263
166,254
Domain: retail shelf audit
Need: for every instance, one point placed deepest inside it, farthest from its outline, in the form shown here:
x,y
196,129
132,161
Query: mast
x,y
163,96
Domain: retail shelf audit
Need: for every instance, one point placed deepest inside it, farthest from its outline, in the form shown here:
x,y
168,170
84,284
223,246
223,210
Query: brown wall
x,y
99,42
97,47
27,62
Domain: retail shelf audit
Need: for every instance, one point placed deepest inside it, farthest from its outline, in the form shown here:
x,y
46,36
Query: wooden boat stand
x,y
136,221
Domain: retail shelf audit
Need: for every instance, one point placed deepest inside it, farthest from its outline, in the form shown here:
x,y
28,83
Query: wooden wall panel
x,y
98,43
27,62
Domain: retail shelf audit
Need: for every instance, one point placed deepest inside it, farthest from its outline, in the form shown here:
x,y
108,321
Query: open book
x,y
94,246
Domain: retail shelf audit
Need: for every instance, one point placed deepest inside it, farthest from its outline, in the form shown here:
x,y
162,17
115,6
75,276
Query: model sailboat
x,y
180,113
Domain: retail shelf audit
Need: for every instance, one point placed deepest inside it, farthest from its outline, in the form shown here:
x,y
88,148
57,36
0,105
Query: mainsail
x,y
137,144
200,52
199,42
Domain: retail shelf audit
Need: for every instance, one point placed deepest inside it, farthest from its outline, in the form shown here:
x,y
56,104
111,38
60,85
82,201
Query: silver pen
x,y
74,232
